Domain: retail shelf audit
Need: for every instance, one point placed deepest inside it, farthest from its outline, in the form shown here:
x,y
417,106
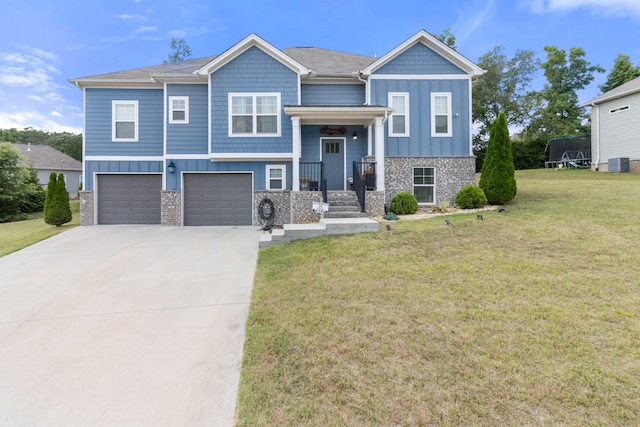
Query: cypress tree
x,y
56,206
497,177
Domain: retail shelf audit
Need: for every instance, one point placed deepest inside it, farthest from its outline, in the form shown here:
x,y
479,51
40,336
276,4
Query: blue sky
x,y
44,43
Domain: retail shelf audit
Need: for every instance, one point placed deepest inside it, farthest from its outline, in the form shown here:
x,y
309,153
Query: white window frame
x,y
449,132
254,114
136,122
283,168
405,95
414,185
172,109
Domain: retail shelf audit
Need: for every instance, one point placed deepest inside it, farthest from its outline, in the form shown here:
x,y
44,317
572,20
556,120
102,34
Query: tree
x,y
447,37
503,88
10,181
558,111
180,51
56,207
622,72
497,178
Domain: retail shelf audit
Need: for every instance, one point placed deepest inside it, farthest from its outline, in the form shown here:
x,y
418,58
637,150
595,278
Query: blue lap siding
x,y
419,59
98,119
192,137
333,94
118,166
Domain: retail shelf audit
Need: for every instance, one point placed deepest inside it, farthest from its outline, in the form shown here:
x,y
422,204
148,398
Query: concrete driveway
x,y
125,326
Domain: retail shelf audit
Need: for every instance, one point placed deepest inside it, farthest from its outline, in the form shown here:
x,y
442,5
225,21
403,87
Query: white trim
x,y
433,115
254,114
169,156
186,110
125,158
344,156
419,77
136,121
413,184
209,115
250,156
470,118
269,168
406,114
84,136
164,135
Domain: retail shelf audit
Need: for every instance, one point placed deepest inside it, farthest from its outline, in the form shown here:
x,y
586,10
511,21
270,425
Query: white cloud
x,y
145,29
56,114
610,7
33,119
472,17
124,16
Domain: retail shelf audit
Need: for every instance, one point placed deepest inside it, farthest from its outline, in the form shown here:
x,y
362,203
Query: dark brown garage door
x,y
129,199
217,199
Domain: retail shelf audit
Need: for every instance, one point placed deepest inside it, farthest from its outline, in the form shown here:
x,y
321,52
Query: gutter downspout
x,y
597,132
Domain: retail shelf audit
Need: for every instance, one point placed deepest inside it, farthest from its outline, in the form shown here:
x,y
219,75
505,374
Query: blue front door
x,y
333,157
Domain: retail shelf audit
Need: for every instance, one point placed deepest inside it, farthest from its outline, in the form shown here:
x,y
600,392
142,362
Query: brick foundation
x,y
86,208
170,208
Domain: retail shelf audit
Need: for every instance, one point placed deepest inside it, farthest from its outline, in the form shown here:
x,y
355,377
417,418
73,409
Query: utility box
x,y
619,164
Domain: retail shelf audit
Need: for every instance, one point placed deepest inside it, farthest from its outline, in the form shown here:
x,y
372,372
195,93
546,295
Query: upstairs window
x,y
124,125
399,121
179,109
441,114
275,177
254,114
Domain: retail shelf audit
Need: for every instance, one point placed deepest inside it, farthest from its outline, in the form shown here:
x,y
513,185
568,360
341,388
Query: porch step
x,y
344,204
291,232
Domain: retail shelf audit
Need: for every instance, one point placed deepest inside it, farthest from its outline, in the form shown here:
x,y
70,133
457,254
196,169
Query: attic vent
x,y
619,109
375,54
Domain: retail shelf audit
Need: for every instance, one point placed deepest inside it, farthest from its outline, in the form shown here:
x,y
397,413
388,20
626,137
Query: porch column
x,y
369,141
295,173
379,154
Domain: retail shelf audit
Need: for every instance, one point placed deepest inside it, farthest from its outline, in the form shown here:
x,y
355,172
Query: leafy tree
x,y
33,195
558,110
622,72
10,181
447,37
180,51
10,135
497,178
503,88
56,207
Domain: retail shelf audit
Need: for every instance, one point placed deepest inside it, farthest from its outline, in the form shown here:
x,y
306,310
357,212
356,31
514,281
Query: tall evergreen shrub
x,y
497,178
56,206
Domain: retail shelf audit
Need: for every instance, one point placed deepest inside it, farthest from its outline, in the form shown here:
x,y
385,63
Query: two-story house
x,y
205,141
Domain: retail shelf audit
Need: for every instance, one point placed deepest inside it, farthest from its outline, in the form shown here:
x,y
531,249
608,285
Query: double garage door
x,y
209,199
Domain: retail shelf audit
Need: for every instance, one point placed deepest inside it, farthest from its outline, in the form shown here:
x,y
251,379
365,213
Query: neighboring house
x,y
45,159
615,126
204,141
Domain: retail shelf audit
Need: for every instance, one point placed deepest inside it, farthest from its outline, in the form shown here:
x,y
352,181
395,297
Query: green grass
x,y
530,317
20,234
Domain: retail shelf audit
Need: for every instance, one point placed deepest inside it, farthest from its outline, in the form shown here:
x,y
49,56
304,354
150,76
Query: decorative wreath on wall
x,y
328,130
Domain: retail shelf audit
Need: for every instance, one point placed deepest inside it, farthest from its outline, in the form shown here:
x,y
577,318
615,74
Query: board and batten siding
x,y
419,59
98,134
118,166
192,137
252,71
420,143
259,170
619,132
333,94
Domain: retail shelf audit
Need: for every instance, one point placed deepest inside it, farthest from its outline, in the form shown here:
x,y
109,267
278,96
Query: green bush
x,y
471,197
497,178
404,203
56,206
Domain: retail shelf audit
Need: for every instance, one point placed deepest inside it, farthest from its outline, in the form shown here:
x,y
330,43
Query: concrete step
x,y
353,214
291,232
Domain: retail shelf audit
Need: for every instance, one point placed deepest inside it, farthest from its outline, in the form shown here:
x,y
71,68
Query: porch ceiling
x,y
337,114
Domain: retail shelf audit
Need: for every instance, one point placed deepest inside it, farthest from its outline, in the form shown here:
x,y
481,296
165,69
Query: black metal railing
x,y
359,186
312,178
366,170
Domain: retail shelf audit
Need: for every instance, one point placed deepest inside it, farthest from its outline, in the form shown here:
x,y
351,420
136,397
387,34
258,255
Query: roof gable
x,y
432,44
246,44
629,88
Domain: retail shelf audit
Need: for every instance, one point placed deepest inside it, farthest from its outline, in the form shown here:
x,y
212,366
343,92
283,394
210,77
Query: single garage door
x,y
129,199
217,198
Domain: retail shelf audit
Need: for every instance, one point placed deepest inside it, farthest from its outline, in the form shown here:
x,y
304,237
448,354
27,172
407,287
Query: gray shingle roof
x,y
47,158
628,88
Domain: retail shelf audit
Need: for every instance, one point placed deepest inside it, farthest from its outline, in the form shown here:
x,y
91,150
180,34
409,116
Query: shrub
x,y
498,174
56,206
471,197
404,203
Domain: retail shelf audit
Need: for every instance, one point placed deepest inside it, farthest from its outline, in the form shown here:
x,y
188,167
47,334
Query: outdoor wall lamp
x,y
171,167
355,136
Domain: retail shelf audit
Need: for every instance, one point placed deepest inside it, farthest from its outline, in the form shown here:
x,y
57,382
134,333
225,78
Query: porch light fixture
x,y
355,136
171,167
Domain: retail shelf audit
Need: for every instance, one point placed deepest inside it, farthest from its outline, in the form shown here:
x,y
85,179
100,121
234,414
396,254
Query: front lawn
x,y
530,317
20,234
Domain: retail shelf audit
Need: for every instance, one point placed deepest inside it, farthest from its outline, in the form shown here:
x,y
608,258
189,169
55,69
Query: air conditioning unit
x,y
619,164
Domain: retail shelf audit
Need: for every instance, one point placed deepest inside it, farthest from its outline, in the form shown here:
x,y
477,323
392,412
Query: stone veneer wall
x,y
281,205
374,203
86,208
452,173
301,203
170,208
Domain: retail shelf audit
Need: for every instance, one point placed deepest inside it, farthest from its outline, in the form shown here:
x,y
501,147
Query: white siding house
x,y
615,126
